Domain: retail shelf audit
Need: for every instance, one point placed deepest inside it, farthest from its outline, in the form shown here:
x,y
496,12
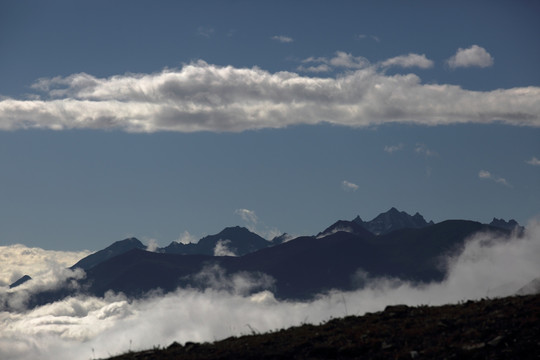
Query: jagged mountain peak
x,y
392,220
503,224
351,227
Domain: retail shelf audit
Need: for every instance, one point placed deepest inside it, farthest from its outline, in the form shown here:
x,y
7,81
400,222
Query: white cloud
x,y
410,60
473,56
205,31
186,238
203,97
152,245
283,39
340,60
248,216
534,161
348,186
484,174
424,150
222,249
87,327
345,60
19,260
393,148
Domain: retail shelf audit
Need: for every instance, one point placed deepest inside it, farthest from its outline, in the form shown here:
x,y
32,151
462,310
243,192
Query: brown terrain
x,y
503,328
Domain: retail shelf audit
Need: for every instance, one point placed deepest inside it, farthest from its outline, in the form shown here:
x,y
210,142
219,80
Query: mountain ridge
x,y
300,267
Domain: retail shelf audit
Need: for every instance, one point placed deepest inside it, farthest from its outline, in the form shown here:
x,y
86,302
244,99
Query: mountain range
x,y
343,256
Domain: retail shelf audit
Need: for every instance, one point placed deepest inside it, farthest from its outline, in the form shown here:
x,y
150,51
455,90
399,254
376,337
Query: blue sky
x,y
169,120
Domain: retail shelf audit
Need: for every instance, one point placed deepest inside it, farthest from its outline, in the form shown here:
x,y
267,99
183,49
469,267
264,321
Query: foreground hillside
x,y
505,328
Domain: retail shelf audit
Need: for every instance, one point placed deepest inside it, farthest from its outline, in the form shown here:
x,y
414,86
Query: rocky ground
x,y
505,328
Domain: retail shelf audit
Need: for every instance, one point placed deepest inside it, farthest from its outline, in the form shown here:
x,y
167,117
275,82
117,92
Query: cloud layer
x,y
85,327
19,260
205,97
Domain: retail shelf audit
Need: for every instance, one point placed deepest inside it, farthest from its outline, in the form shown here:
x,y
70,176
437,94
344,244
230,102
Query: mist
x,y
88,327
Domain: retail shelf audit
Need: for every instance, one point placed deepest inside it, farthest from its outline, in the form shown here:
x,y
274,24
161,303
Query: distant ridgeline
x,y
393,244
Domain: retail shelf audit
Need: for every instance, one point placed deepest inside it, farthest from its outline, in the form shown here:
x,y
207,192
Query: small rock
x,y
494,342
473,346
385,346
414,354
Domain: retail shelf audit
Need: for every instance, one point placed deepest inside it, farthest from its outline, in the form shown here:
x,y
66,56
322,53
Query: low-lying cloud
x,y
222,248
205,97
86,327
19,260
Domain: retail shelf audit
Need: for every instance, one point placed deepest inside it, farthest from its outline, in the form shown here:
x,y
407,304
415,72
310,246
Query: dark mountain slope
x,y
109,252
137,272
418,253
303,267
307,266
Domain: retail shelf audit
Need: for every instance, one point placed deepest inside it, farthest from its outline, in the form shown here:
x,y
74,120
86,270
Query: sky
x,y
171,120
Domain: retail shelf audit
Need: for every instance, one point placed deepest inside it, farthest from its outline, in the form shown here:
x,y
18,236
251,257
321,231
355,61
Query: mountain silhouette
x,y
238,240
508,225
393,220
344,256
302,268
21,281
352,227
115,249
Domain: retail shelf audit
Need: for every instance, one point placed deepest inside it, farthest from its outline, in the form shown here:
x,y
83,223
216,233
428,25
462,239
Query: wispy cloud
x,y
393,148
186,238
152,245
255,225
474,56
348,186
205,31
424,150
533,161
484,174
341,59
222,248
372,37
204,97
410,60
248,216
283,39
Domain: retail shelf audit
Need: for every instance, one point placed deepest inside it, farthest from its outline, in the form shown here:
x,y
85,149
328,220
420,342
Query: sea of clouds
x,y
87,327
